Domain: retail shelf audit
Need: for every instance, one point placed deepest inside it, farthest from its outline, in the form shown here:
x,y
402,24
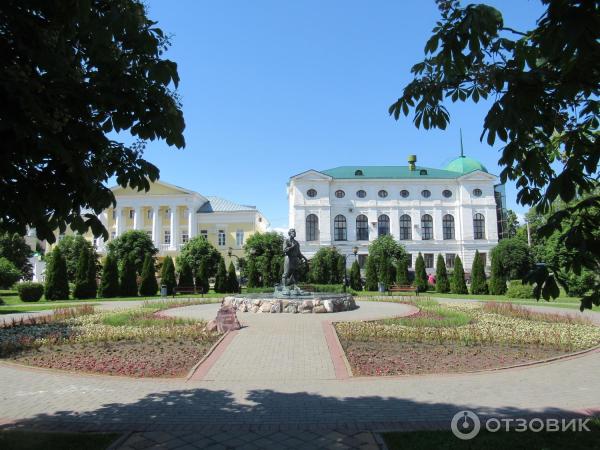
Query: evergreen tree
x,y
383,273
109,285
340,270
128,283
148,284
233,285
57,285
497,279
167,274
478,284
81,289
370,275
201,279
402,273
221,278
457,283
420,274
442,284
92,283
355,280
186,277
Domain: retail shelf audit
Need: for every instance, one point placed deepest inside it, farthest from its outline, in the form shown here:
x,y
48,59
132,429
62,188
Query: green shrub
x,y
457,282
167,274
579,285
128,283
336,288
497,278
9,274
260,290
202,284
478,284
371,275
233,285
355,280
30,291
402,278
326,266
148,283
57,284
421,274
221,278
516,289
442,284
186,276
84,286
109,285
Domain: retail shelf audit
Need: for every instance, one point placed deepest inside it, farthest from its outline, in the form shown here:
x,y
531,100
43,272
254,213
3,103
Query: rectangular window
x,y
362,261
167,239
204,234
409,259
450,260
222,237
239,238
113,234
167,213
149,214
114,214
483,257
428,257
131,213
184,237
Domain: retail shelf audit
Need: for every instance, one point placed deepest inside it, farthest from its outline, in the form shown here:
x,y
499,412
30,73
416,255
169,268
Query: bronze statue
x,y
292,257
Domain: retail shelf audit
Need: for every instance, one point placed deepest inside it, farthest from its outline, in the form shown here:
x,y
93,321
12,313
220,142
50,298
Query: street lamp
x,y
231,255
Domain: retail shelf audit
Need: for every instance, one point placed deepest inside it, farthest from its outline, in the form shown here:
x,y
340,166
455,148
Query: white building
x,y
453,211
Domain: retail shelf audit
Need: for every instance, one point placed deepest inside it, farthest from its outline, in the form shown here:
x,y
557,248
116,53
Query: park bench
x,y
307,287
402,288
184,290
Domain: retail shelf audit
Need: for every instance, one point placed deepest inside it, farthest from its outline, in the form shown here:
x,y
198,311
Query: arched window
x,y
478,226
340,229
405,228
312,227
383,225
426,227
448,226
362,228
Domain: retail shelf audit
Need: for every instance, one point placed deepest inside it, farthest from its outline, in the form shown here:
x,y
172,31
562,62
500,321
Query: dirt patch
x,y
378,358
153,358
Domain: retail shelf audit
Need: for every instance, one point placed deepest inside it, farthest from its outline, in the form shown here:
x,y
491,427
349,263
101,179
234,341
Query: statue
x,y
292,257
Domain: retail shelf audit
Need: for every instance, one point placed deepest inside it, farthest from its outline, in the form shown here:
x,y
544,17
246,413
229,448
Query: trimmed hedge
x,y
30,291
259,290
518,290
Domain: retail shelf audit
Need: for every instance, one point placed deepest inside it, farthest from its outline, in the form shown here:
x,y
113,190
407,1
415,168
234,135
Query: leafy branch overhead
x,y
79,77
543,86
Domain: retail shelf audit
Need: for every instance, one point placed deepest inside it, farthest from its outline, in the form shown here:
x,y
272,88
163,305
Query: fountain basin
x,y
318,302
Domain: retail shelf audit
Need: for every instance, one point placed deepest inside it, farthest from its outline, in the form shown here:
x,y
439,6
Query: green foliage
x,y
9,274
14,248
221,278
148,283
442,284
128,281
457,282
57,285
327,266
516,289
109,284
264,257
70,247
186,276
198,251
513,257
421,274
29,291
329,288
385,253
260,290
355,279
580,285
370,274
233,285
478,283
201,279
167,274
134,245
82,75
84,287
402,278
497,279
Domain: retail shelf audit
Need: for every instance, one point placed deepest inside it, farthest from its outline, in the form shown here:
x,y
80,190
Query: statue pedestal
x,y
291,293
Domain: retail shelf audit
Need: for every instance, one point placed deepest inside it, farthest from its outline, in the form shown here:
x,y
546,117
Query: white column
x,y
119,220
192,222
174,227
137,218
156,226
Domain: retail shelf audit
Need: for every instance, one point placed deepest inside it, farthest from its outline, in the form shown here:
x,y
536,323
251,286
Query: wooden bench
x,y
185,290
402,288
307,287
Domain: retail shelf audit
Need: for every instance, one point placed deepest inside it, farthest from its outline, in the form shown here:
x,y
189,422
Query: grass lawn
x,y
445,440
31,440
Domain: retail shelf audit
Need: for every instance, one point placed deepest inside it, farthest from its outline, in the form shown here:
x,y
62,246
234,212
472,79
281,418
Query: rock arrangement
x,y
317,304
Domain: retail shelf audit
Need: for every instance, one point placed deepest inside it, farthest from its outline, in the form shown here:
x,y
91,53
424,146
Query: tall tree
x,y
109,284
457,282
198,250
386,253
9,274
355,279
263,251
148,283
442,284
497,277
128,281
544,86
221,278
478,282
327,266
167,274
57,285
186,276
14,248
421,274
83,289
201,279
402,272
71,246
76,75
371,274
92,274
134,245
233,285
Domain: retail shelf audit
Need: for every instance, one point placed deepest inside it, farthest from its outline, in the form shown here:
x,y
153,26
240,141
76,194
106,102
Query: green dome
x,y
464,164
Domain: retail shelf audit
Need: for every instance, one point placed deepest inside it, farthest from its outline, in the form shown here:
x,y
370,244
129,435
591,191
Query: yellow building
x,y
172,215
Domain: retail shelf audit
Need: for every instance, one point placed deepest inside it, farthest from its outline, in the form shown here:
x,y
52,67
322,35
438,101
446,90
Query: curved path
x,y
276,373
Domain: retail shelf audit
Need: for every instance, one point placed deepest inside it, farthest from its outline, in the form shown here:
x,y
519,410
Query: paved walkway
x,y
251,393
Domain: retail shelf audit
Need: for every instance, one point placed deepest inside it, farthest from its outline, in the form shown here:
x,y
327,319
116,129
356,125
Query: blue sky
x,y
271,88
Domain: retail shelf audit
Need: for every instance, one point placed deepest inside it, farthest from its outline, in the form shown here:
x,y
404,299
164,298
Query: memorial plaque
x,y
227,320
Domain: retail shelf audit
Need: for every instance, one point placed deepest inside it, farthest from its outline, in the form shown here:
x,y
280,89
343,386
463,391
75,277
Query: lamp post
x,y
231,255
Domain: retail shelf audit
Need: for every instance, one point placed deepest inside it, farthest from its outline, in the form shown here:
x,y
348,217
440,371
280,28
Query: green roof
x,y
388,172
464,164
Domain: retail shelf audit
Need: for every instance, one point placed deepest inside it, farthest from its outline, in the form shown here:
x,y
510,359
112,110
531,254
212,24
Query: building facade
x,y
452,211
172,215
